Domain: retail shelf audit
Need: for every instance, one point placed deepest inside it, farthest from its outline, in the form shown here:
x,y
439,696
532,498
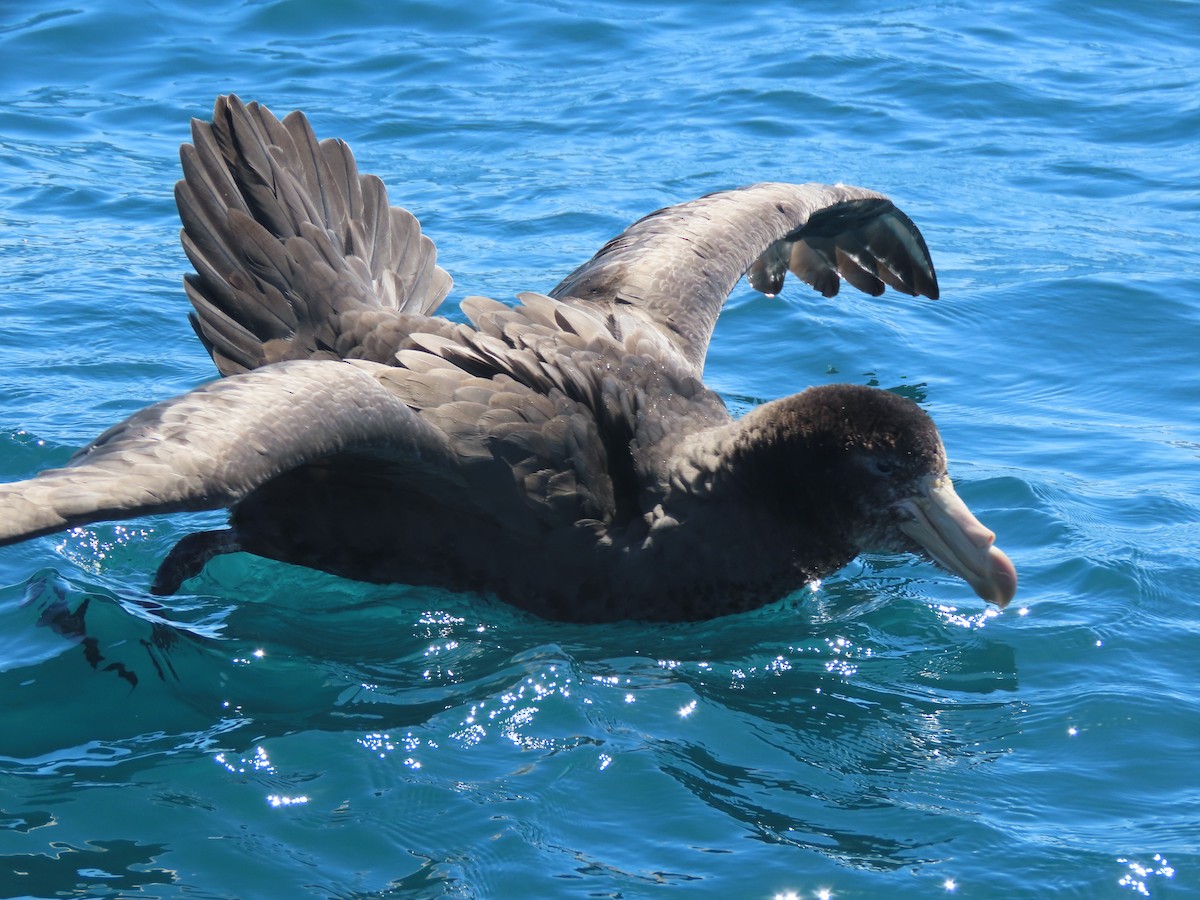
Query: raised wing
x,y
297,255
679,264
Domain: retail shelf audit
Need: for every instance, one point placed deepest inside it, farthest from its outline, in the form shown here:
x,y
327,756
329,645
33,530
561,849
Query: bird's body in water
x,y
562,453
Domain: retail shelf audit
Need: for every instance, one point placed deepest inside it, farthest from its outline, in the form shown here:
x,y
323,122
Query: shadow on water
x,y
106,665
112,868
841,722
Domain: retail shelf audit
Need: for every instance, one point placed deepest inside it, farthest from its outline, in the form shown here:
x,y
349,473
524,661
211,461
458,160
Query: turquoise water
x,y
280,733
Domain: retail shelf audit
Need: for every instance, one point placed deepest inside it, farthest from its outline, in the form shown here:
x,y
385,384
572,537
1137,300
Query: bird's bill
x,y
938,520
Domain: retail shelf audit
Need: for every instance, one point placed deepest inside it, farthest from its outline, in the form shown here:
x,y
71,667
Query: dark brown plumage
x,y
562,453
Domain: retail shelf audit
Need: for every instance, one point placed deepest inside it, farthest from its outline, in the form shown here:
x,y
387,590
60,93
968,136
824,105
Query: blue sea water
x,y
276,732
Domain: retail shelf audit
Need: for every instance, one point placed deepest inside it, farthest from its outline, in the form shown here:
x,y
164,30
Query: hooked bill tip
x,y
999,586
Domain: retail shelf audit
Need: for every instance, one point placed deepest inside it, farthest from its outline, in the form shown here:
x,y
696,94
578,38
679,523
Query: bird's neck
x,y
762,477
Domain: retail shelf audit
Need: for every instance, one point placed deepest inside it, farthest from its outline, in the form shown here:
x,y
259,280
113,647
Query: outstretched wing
x,y
489,448
211,447
297,255
679,264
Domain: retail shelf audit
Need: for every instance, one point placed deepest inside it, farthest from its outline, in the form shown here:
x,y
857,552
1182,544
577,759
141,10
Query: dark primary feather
x,y
562,453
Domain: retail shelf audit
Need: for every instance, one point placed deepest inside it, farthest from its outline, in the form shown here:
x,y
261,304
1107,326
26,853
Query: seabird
x,y
562,453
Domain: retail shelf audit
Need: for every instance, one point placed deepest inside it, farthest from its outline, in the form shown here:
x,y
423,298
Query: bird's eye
x,y
883,466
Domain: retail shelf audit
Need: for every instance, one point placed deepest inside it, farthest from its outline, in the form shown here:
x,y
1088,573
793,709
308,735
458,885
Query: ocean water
x,y
276,732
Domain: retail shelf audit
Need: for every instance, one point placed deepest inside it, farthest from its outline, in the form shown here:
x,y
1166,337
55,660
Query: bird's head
x,y
867,467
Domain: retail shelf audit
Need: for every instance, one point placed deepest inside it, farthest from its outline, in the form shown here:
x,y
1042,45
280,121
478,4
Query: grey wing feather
x,y
678,265
434,429
211,447
541,439
291,245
